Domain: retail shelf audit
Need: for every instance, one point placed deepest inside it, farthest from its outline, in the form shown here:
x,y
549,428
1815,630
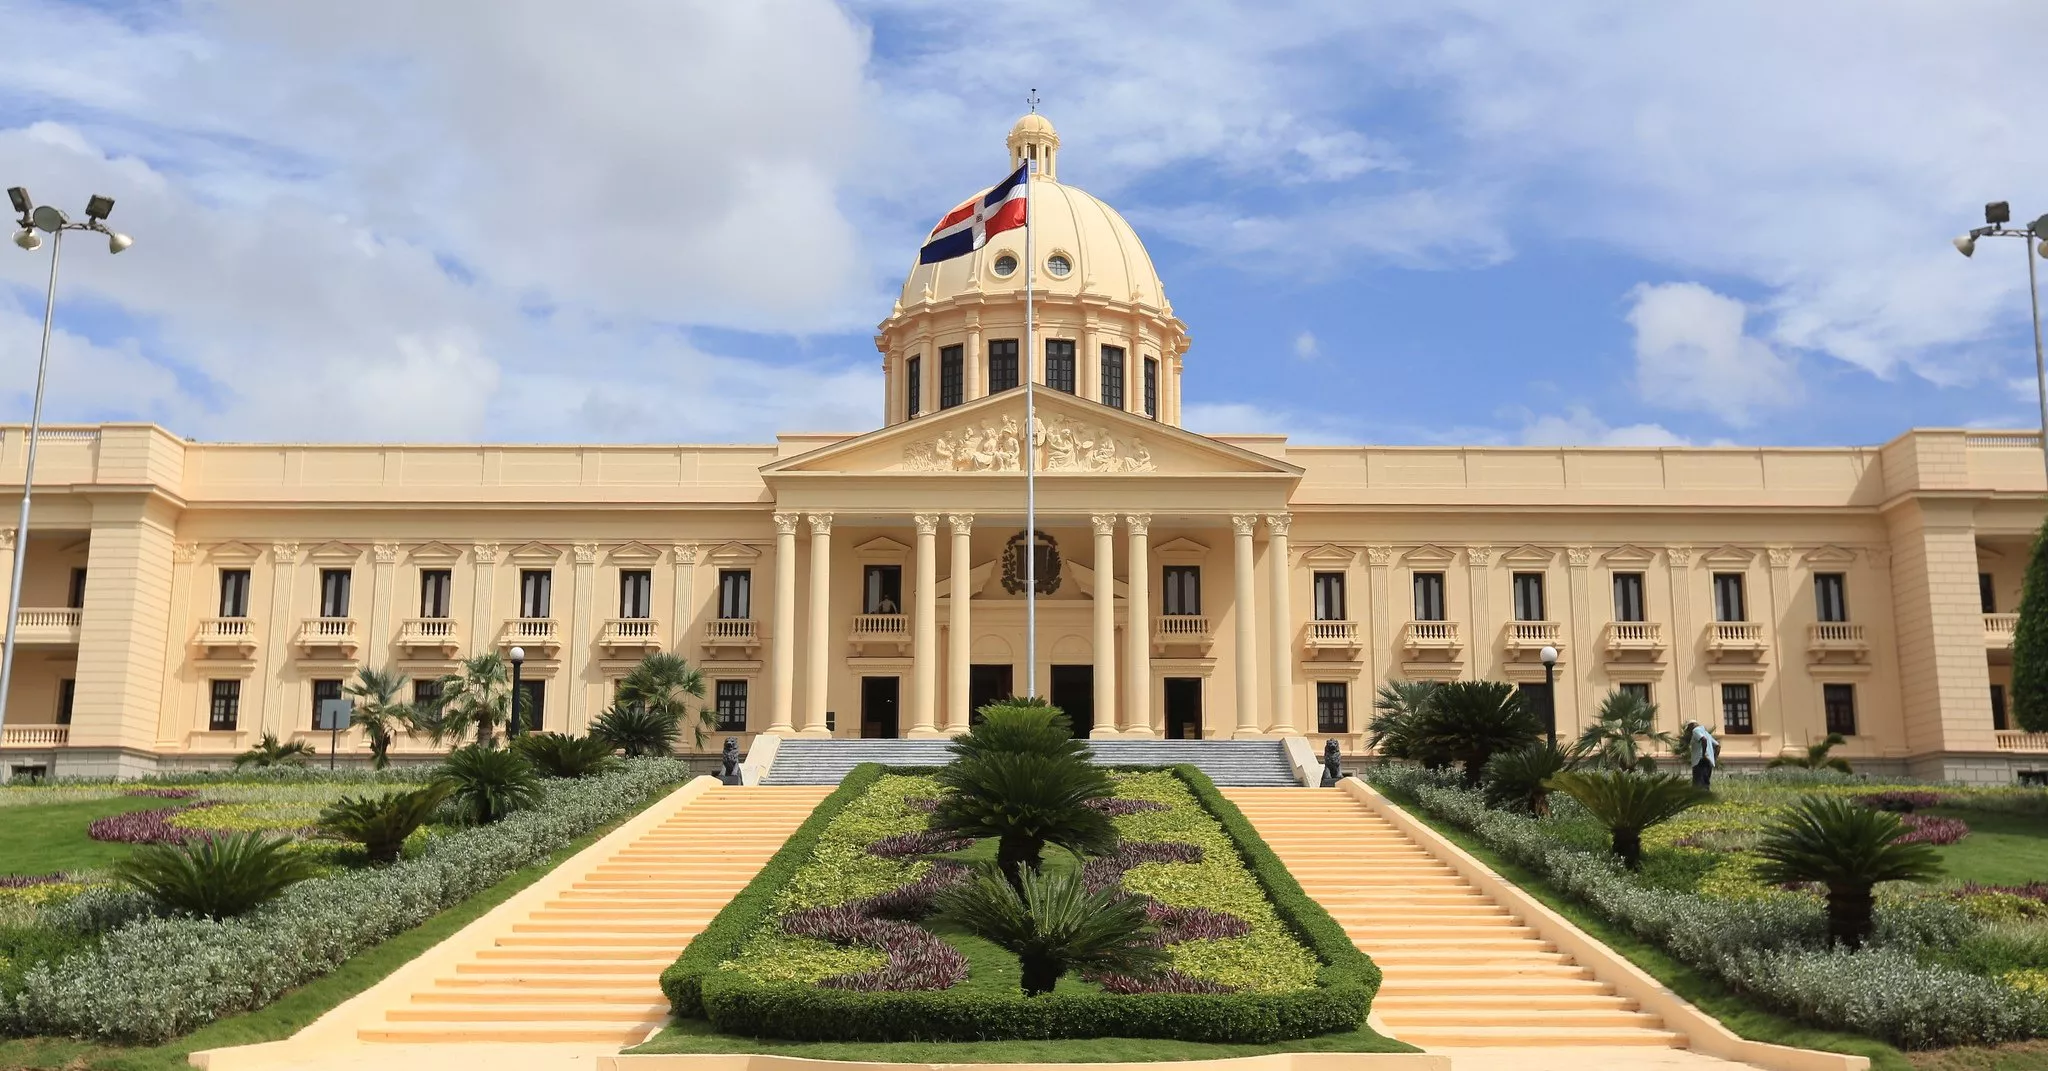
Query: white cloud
x,y
1693,353
1577,426
1306,346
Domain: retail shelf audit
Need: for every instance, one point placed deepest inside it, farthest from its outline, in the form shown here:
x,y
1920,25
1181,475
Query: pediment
x,y
1331,555
334,553
1180,551
733,556
1729,554
1830,555
533,554
636,553
234,552
1628,554
881,549
1429,554
435,553
1076,437
1529,554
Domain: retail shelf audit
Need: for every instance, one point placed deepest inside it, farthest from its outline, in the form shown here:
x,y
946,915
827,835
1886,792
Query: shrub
x,y
1025,801
268,752
1849,849
1628,803
1816,757
638,731
1055,924
490,783
1521,779
1902,802
381,823
1469,721
216,877
2030,643
556,755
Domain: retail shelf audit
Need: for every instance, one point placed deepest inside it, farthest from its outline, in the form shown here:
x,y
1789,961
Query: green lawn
x,y
44,838
2002,849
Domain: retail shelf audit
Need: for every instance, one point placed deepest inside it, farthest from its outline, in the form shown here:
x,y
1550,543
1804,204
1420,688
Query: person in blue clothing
x,y
1703,751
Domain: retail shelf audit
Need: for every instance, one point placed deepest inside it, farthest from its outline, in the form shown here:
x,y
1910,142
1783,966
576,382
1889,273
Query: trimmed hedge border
x,y
1347,979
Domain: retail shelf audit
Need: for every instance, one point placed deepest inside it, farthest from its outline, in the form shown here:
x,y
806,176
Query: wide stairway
x,y
1459,970
1226,762
586,966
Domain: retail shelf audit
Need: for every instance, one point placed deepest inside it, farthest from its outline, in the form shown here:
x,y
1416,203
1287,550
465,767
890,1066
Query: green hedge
x,y
1347,980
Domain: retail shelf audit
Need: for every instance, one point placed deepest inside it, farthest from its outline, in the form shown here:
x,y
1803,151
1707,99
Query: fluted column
x,y
924,648
1242,526
819,635
1138,633
782,645
959,635
1105,624
1282,650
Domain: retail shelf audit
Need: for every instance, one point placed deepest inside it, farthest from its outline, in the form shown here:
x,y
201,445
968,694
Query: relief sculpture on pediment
x,y
1060,444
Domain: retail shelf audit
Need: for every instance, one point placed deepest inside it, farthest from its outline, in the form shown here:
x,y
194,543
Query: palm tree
x,y
476,699
1054,925
1848,848
636,730
1816,757
1469,721
1520,779
1627,803
1397,708
490,782
1026,802
268,752
667,683
1628,723
1020,725
379,712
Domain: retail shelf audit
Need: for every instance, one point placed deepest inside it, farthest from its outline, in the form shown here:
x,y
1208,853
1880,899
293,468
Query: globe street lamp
x,y
1997,215
1549,657
518,659
52,221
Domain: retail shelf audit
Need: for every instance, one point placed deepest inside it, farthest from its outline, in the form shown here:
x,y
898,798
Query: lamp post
x,y
50,220
1997,215
518,659
1549,657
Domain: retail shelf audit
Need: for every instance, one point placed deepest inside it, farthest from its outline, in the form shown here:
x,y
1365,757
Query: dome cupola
x,y
1033,139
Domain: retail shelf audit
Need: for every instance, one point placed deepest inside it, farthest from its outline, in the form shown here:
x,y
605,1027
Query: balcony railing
x,y
1998,629
731,632
1431,636
1528,638
430,634
643,633
226,633
328,633
538,633
1635,636
1736,639
1331,635
47,624
1837,639
35,736
2015,740
1182,630
869,630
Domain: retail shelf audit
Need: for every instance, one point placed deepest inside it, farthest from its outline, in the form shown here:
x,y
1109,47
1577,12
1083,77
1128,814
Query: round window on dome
x,y
1058,265
1005,266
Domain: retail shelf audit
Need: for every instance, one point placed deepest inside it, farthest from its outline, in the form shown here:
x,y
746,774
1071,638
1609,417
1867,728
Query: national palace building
x,y
181,599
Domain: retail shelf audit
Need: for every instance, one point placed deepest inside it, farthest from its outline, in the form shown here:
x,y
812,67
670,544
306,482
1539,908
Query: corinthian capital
x,y
821,524
785,523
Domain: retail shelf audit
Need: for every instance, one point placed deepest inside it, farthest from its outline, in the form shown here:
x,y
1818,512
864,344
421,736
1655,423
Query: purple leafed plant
x,y
2037,890
917,959
146,827
913,900
1177,924
23,881
921,804
1902,801
921,842
1117,808
1166,981
1927,829
1107,871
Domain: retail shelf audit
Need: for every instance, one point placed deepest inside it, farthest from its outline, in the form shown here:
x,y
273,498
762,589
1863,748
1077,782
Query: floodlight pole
x,y
1996,216
1030,447
28,479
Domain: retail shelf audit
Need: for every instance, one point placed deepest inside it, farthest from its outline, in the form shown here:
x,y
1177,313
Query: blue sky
x,y
1454,222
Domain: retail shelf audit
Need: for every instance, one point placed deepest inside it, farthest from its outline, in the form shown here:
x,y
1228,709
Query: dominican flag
x,y
970,226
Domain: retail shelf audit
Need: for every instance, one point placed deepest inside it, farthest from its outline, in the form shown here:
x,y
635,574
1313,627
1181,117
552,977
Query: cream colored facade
x,y
1252,643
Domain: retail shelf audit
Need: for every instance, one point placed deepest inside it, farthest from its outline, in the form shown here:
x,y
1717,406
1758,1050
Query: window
x,y
1998,707
1002,364
67,697
735,594
322,692
1180,590
1113,376
1152,387
334,584
536,592
434,587
225,714
426,695
1628,597
1829,599
1986,593
1839,700
732,706
234,593
882,590
1329,588
1429,596
636,593
1639,689
1333,707
77,599
1735,710
1728,604
1529,597
1059,364
952,377
913,385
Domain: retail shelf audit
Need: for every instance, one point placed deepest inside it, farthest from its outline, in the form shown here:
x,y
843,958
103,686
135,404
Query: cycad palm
x,y
490,782
1469,721
1628,803
1020,726
1522,778
1848,848
1026,802
1053,924
379,712
1397,714
1623,737
1817,757
268,752
382,823
667,684
216,876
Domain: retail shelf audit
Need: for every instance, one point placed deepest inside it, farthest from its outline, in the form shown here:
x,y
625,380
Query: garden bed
x,y
832,943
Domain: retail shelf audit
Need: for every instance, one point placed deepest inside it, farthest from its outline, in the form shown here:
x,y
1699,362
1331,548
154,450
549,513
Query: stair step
x,y
606,1033
1476,1036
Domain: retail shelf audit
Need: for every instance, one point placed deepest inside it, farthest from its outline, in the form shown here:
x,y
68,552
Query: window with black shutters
x,y
1987,593
952,377
1333,707
334,585
882,590
67,697
234,593
1529,597
1180,590
913,385
1830,597
1152,387
636,593
1628,597
322,692
77,599
1002,364
225,713
1728,601
1998,706
732,706
426,695
1429,596
435,585
1329,589
1735,710
1839,701
1113,376
735,594
1059,364
536,592
1639,689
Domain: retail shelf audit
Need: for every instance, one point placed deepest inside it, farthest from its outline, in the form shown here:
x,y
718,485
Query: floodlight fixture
x,y
50,218
1966,245
116,241
1997,217
28,239
1997,213
22,204
99,207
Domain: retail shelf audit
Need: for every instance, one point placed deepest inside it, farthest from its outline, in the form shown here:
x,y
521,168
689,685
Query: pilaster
x,y
123,635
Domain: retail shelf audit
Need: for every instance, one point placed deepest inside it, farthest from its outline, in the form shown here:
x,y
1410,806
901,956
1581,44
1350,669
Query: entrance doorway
x,y
878,705
986,684
1073,691
533,703
1183,708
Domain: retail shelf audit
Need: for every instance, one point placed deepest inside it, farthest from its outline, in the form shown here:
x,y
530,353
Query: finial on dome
x,y
1034,140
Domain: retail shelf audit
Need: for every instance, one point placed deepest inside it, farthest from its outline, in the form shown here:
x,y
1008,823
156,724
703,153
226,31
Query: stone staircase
x,y
1227,762
1459,970
585,967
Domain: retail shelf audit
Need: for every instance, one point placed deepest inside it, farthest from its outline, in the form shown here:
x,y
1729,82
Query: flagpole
x,y
1030,449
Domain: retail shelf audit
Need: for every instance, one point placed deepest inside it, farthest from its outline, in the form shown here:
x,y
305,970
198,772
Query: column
x,y
959,634
782,645
1138,633
1242,526
819,634
972,385
1088,363
1282,651
924,647
1105,624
